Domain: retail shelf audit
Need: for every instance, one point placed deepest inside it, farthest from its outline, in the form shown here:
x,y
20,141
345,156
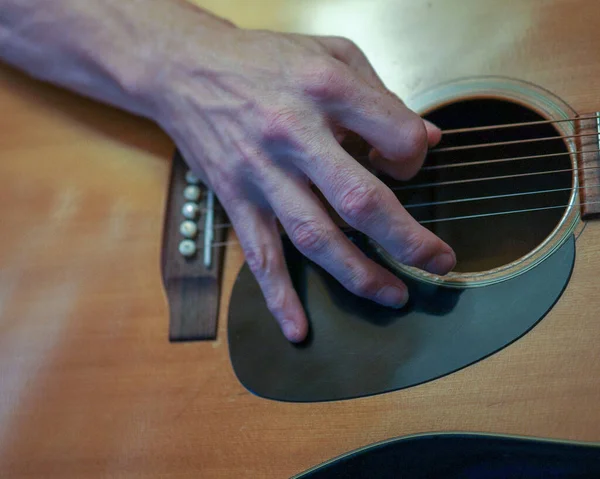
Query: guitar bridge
x,y
191,264
587,130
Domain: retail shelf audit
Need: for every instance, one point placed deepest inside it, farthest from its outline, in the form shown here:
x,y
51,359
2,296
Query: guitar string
x,y
482,162
496,160
475,198
511,125
499,160
456,218
505,143
494,197
466,200
514,125
487,178
482,179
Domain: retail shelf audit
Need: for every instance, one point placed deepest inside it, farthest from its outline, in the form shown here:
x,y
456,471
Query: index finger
x,y
378,116
368,205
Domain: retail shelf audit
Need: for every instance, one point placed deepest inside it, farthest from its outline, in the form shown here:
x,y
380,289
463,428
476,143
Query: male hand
x,y
259,116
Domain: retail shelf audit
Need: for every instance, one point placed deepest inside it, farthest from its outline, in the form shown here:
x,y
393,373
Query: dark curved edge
x,y
464,455
571,241
572,267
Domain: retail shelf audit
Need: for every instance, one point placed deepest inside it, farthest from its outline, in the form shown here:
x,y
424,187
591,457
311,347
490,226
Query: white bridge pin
x,y
191,193
191,178
188,229
187,248
190,210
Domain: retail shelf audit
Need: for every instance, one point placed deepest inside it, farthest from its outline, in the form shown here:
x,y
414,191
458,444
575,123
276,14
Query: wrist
x,y
184,46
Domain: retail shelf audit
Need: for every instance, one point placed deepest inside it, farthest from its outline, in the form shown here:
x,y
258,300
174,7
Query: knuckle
x,y
360,201
256,260
324,78
251,163
415,250
363,283
281,123
263,261
277,301
415,139
310,237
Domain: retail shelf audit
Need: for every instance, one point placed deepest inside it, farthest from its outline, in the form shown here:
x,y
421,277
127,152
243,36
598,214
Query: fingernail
x,y
431,128
441,264
289,330
392,296
434,134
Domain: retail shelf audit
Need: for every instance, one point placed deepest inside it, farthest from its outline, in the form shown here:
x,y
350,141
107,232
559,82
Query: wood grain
x,y
588,161
89,384
192,289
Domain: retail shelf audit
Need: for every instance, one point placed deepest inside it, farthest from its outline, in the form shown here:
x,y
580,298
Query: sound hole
x,y
486,242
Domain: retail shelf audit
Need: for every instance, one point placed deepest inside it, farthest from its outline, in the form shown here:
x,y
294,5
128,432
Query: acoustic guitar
x,y
132,345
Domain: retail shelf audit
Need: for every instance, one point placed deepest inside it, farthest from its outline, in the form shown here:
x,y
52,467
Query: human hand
x,y
259,116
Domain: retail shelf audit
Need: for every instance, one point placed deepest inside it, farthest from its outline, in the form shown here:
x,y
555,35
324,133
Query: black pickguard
x,y
356,348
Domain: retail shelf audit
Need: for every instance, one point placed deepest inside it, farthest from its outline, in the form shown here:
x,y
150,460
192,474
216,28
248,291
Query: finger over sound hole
x,y
487,242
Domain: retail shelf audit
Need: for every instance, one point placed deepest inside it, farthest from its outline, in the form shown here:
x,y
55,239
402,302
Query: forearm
x,y
112,50
258,116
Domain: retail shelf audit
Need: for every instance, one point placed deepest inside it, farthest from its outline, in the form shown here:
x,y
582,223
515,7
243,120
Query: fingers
x,y
372,112
261,242
397,133
347,51
383,120
396,169
434,134
365,203
316,236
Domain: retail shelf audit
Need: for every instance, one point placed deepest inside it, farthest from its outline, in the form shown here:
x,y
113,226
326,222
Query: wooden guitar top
x,y
90,386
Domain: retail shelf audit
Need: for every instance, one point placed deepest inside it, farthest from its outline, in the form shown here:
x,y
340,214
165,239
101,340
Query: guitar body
x,y
90,385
